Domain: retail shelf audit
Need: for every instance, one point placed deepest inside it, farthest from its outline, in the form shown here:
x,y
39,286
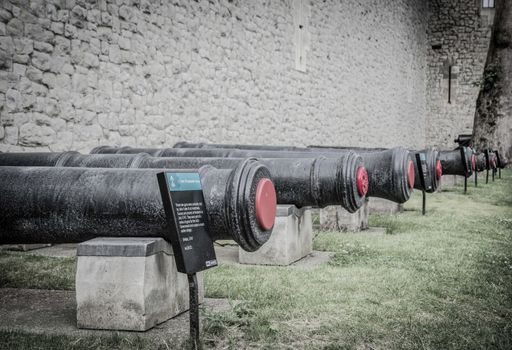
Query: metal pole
x,y
465,184
476,178
424,203
487,176
450,84
194,310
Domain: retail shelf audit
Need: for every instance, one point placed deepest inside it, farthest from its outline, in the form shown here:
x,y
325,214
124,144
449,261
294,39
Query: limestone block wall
x,y
459,35
78,73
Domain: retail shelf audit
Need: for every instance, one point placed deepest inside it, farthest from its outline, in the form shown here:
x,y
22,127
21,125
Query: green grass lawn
x,y
440,281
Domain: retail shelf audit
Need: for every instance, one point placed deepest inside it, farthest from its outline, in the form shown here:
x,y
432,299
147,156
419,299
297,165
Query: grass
x,y
23,270
29,341
439,281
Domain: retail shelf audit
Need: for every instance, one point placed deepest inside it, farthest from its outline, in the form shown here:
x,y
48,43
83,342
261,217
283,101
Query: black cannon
x,y
390,172
57,205
491,160
303,182
184,144
430,177
502,162
423,180
460,161
464,140
426,178
481,163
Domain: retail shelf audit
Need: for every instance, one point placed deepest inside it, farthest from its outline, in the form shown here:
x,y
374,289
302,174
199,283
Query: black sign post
x,y
421,161
184,205
467,167
487,165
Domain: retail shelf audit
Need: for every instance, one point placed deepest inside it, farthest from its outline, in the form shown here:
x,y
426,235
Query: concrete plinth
x,y
129,284
291,239
379,205
337,218
449,180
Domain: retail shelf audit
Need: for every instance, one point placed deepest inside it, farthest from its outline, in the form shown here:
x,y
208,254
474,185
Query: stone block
x,y
6,45
43,47
15,28
41,60
23,46
36,135
450,180
291,239
379,205
337,218
12,100
129,284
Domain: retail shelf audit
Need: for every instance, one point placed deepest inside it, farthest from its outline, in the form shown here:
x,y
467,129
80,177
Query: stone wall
x,y
459,34
78,73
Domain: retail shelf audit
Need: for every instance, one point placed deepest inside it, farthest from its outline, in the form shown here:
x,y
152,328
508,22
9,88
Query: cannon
x,y
502,162
427,180
60,205
429,183
460,161
491,160
494,163
430,178
317,182
464,140
184,144
390,172
481,163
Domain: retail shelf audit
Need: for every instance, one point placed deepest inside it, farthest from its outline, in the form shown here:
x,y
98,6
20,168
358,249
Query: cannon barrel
x,y
58,205
184,144
501,160
494,160
431,155
491,161
460,161
481,163
317,182
390,172
434,168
